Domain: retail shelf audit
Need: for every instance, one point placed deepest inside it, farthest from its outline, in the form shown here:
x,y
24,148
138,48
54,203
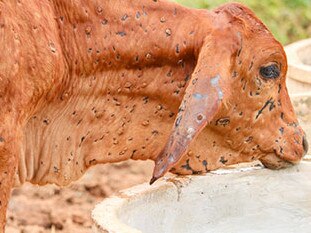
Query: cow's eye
x,y
270,72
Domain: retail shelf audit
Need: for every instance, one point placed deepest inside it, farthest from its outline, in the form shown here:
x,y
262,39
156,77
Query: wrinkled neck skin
x,y
109,79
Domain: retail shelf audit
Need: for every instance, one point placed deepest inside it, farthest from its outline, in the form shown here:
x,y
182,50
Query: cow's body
x,y
97,96
88,82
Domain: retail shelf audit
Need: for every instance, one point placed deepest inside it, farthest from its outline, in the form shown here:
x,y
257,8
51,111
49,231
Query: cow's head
x,y
236,107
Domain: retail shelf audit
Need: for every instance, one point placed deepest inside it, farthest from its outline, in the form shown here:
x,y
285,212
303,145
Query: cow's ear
x,y
201,102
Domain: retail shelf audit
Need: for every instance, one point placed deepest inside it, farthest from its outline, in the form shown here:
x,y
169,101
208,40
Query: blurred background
x,y
289,20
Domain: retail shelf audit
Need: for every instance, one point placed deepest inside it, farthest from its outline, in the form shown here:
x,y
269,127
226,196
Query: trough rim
x,y
296,69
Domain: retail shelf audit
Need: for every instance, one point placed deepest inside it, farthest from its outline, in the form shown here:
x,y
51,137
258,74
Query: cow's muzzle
x,y
272,161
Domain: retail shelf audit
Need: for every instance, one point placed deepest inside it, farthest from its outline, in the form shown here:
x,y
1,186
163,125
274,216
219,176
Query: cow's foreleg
x,y
8,165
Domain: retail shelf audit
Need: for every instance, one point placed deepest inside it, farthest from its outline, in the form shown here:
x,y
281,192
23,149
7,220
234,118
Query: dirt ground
x,y
51,209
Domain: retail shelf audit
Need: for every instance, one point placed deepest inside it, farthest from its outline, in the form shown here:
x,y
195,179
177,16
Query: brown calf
x,y
97,81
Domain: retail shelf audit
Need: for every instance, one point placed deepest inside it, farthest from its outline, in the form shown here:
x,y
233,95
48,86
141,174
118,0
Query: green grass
x,y
289,20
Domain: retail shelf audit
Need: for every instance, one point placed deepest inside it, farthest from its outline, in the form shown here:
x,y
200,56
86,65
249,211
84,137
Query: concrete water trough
x,y
250,199
299,61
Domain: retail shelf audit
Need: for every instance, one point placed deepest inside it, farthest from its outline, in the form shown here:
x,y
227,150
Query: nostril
x,y
305,145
